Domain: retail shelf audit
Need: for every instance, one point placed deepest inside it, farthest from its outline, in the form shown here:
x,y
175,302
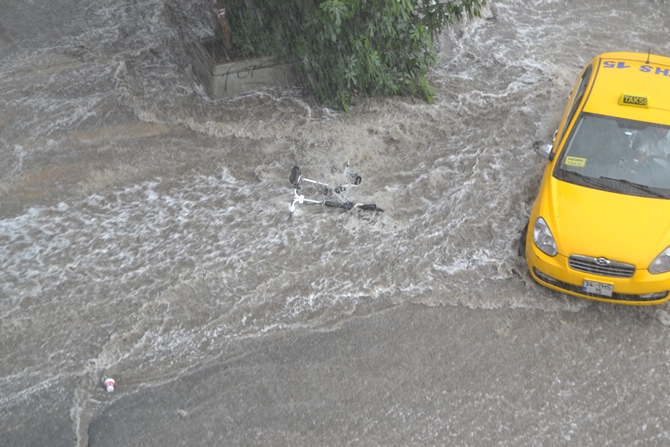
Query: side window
x,y
576,100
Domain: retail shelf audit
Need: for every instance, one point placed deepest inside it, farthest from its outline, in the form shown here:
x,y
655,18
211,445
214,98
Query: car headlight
x,y
661,264
543,238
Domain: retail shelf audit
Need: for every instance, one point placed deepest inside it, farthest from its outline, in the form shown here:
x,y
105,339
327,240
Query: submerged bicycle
x,y
335,197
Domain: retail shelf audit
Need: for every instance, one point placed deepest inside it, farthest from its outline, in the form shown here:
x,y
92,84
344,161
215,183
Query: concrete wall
x,y
224,80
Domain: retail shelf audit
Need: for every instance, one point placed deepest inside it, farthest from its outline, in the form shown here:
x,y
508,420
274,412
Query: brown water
x,y
145,232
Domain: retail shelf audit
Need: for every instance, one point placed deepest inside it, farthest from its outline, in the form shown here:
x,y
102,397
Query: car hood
x,y
597,223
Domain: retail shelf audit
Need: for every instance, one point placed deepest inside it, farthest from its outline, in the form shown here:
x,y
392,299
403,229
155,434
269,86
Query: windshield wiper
x,y
637,186
585,178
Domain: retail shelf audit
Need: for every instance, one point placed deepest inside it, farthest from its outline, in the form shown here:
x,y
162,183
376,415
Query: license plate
x,y
597,288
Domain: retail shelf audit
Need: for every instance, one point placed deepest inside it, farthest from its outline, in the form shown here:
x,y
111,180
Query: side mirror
x,y
544,149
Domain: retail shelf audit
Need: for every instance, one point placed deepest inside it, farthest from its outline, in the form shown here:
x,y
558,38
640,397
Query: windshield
x,y
617,155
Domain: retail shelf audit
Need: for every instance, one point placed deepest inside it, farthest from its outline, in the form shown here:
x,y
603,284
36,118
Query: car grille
x,y
601,266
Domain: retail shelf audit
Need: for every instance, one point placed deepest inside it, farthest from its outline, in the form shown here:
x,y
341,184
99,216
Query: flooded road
x,y
146,235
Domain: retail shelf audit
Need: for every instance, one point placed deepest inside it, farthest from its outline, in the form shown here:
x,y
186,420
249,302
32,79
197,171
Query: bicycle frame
x,y
337,192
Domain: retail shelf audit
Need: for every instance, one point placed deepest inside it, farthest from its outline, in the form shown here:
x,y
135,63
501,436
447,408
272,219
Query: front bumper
x,y
642,289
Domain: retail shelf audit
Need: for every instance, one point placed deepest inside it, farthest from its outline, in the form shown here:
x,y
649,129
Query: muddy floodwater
x,y
145,235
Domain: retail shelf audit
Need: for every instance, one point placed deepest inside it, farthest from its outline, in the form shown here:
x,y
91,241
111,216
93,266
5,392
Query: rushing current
x,y
144,227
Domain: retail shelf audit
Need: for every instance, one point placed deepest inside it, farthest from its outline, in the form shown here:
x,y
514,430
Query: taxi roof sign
x,y
626,99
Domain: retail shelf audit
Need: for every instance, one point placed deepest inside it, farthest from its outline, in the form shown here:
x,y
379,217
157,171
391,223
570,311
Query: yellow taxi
x,y
600,225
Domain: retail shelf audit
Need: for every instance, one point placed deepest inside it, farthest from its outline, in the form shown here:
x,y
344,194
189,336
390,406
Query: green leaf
x,y
374,47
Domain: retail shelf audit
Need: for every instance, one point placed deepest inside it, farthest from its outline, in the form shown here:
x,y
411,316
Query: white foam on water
x,y
156,272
